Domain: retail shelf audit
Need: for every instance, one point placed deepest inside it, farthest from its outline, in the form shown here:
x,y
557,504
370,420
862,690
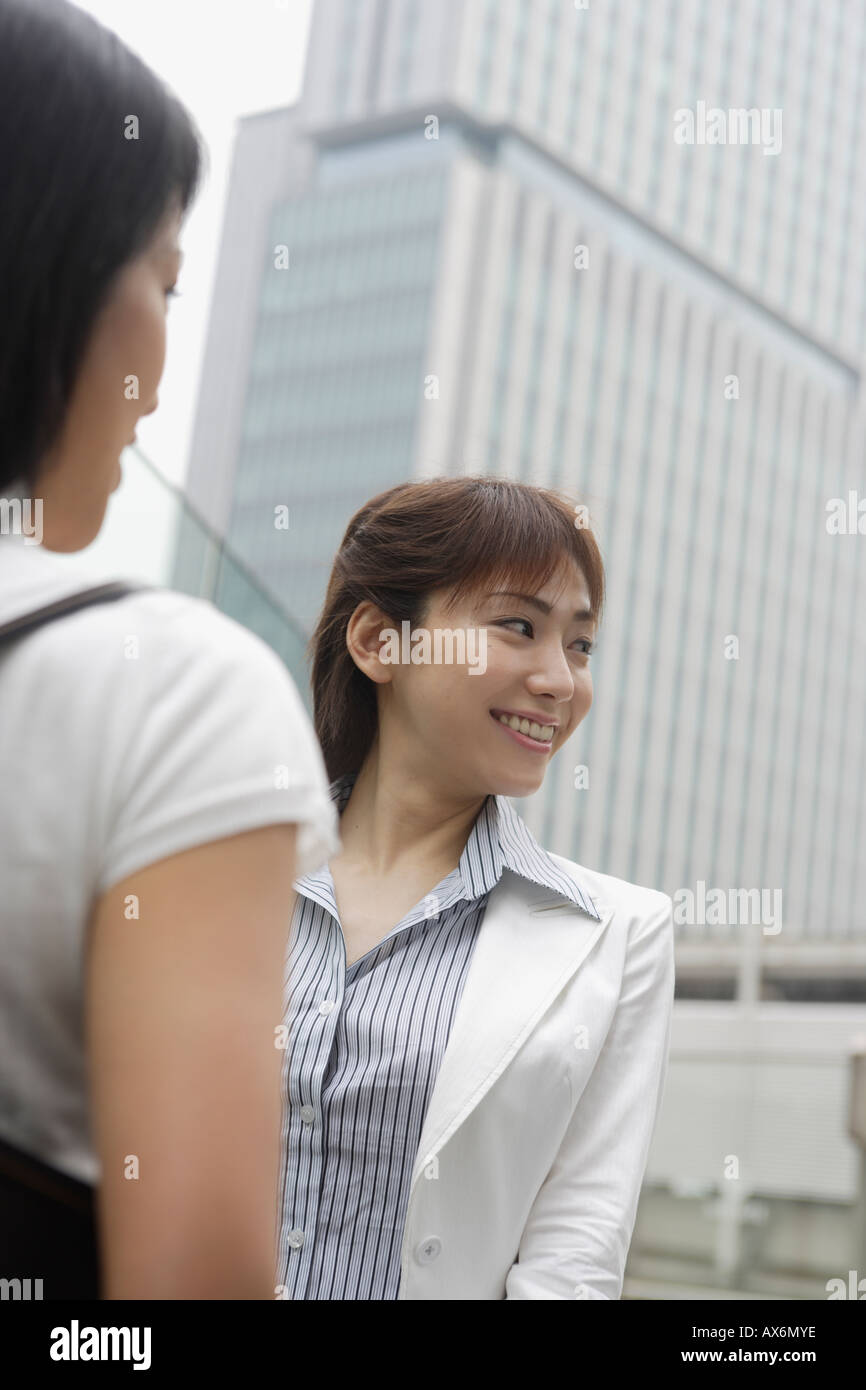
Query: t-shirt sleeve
x,y
218,742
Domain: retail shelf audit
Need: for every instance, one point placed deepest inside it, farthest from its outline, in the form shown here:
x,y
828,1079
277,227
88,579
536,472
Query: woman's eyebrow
x,y
582,615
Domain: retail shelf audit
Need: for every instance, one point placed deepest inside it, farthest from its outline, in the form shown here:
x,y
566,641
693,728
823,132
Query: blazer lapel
x,y
529,945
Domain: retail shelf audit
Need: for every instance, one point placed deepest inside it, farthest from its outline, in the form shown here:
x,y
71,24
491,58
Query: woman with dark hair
x,y
161,784
477,1031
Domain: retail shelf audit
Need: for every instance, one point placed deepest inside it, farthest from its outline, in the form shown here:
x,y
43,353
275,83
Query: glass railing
x,y
153,533
207,567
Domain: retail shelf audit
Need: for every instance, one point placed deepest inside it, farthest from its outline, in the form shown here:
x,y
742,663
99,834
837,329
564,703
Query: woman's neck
x,y
392,820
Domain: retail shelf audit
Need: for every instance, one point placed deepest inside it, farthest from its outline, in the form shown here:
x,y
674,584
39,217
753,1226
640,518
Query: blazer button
x,y
428,1250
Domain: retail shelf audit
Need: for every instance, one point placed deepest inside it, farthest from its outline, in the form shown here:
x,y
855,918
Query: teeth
x,y
543,732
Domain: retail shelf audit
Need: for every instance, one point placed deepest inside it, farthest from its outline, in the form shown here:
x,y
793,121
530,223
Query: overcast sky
x,y
224,60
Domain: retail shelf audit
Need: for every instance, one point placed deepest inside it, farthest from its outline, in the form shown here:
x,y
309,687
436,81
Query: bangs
x,y
519,539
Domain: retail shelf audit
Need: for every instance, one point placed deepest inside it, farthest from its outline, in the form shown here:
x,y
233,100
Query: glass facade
x,y
698,383
337,370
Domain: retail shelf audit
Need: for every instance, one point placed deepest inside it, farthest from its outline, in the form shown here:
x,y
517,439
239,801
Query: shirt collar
x,y
499,840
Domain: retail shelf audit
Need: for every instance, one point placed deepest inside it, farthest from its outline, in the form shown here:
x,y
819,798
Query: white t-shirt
x,y
129,731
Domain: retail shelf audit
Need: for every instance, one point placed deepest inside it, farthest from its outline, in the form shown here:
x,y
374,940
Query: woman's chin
x,y
515,787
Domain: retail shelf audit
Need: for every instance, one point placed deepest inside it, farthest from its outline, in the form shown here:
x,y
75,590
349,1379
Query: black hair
x,y
79,201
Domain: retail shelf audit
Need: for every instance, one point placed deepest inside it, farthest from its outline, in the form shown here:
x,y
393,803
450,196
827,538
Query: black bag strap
x,y
41,1178
48,1230
72,603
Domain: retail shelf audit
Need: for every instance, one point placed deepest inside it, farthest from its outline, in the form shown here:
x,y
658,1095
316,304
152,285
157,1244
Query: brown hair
x,y
455,533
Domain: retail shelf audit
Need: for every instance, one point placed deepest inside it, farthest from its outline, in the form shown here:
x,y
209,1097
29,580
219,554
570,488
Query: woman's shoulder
x,y
157,632
160,670
629,901
196,628
200,727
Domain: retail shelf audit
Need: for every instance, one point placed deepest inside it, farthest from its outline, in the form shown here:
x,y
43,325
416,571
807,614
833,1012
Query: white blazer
x,y
535,1143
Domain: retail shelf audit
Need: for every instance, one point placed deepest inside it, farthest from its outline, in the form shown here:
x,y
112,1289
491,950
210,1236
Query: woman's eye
x,y
172,292
585,642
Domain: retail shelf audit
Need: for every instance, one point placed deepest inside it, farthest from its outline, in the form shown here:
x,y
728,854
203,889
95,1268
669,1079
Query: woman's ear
x,y
367,635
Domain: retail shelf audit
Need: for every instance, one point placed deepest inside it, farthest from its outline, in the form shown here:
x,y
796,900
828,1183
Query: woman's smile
x,y
535,745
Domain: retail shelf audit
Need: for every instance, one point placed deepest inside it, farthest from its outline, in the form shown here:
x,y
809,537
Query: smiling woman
x,y
449,537
455,952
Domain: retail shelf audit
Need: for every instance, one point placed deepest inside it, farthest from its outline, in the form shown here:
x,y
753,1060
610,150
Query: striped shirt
x,y
363,1049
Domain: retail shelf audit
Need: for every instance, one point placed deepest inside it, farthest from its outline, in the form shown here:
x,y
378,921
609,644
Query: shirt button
x,y
428,1250
296,1239
308,1114
326,1006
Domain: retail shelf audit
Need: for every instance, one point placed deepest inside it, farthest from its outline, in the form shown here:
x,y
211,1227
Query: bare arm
x,y
181,1008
